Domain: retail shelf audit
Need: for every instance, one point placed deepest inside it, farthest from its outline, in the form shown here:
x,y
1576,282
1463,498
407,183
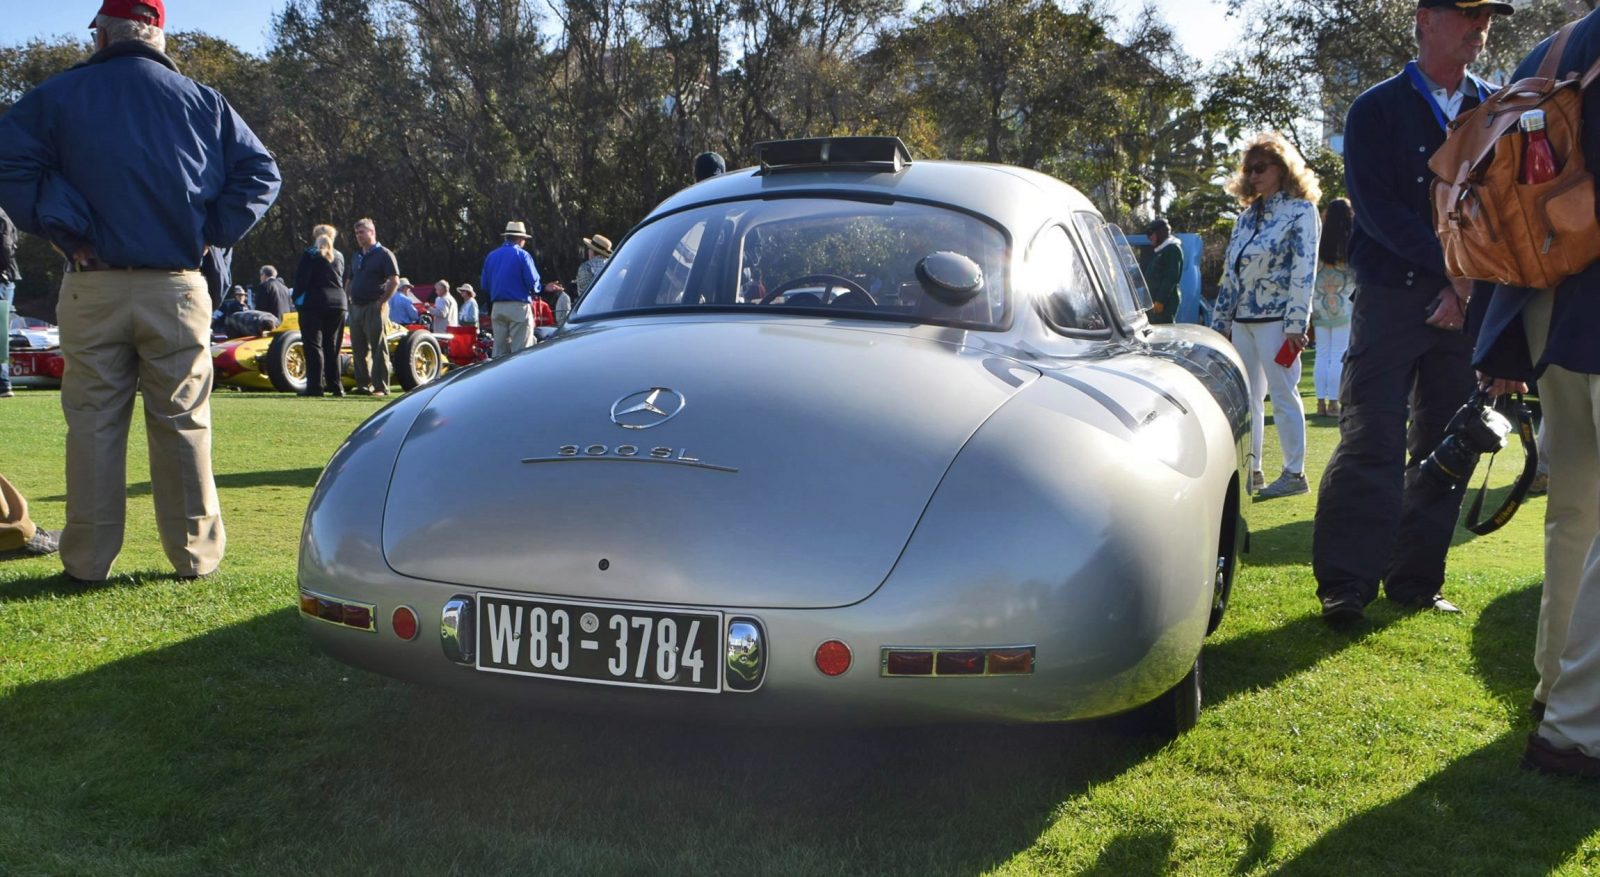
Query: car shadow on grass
x,y
305,477
245,750
1482,807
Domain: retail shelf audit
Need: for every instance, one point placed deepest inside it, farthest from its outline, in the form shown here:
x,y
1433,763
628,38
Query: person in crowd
x,y
319,289
597,252
469,304
446,312
1162,266
19,535
403,305
1330,304
272,295
1377,519
544,317
708,165
555,295
134,311
238,300
1264,300
372,276
9,275
1549,334
512,281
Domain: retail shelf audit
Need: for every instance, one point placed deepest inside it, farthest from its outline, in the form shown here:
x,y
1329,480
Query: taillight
x,y
833,658
941,662
404,623
335,610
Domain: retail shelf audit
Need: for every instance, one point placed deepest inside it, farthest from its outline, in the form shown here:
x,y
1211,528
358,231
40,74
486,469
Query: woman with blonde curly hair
x,y
1265,297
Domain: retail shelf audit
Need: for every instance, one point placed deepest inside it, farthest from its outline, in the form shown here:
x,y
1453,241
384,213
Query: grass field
x,y
152,727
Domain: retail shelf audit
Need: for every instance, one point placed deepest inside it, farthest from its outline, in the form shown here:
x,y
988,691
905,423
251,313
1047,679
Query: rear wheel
x,y
417,360
285,363
1177,709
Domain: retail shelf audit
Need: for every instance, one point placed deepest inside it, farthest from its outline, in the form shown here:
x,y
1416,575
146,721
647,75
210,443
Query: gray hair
x,y
268,271
120,30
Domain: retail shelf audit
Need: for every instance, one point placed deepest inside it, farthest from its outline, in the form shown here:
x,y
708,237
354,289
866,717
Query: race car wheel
x,y
1177,709
417,360
285,363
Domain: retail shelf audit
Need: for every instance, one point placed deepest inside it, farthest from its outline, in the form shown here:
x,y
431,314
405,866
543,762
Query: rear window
x,y
803,256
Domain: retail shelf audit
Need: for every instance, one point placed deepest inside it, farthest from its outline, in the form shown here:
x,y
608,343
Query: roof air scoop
x,y
833,153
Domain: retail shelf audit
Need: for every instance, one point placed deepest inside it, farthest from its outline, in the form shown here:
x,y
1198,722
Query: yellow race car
x,y
277,360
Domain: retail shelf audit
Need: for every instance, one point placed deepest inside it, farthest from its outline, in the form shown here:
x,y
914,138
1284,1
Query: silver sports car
x,y
843,437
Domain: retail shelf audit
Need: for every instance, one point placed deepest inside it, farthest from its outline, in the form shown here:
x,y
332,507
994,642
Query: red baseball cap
x,y
129,9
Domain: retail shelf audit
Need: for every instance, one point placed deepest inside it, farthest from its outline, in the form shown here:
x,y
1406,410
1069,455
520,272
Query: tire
x,y
285,363
1177,710
1230,543
416,360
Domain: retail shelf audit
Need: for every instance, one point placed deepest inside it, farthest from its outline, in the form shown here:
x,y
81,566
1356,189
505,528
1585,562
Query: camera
x,y
1475,430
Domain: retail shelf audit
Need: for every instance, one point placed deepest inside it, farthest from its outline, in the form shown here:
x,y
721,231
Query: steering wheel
x,y
827,280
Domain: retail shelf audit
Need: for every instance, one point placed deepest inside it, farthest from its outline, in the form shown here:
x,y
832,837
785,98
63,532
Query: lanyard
x,y
1421,85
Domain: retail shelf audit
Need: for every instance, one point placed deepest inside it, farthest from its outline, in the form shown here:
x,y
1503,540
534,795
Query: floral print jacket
x,y
1271,265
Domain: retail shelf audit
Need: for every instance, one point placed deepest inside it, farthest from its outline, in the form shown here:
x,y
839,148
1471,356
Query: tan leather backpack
x,y
1493,227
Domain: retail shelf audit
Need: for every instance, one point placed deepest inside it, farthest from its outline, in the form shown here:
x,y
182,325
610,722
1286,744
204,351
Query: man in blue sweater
x,y
1551,334
1377,518
131,170
512,280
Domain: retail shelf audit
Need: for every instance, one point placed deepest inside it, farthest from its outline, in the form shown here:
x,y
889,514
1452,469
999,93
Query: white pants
x,y
1567,651
1258,345
1332,342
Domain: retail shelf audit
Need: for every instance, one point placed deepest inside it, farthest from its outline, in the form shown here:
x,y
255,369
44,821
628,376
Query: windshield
x,y
803,255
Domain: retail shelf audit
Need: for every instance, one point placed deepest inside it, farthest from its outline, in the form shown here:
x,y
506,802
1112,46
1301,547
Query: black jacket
x,y
319,283
273,297
8,251
1389,135
1575,322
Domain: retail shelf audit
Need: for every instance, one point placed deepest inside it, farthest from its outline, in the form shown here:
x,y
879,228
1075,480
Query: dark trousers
x,y
321,331
1377,518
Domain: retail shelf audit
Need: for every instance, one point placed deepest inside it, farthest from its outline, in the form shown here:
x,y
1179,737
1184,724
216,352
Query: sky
x,y
1200,24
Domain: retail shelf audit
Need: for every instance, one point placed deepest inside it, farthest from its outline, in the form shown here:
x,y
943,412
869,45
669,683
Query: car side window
x,y
1062,283
1108,261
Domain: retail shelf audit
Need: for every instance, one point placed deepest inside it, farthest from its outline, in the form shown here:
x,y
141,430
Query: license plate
x,y
600,643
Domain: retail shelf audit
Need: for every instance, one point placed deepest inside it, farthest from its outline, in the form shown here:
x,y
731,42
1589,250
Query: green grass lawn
x,y
152,727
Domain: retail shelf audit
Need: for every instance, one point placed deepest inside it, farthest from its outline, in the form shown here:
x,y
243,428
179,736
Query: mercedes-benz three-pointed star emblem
x,y
647,408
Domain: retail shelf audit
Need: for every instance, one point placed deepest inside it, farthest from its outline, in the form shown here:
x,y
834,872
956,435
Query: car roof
x,y
1018,199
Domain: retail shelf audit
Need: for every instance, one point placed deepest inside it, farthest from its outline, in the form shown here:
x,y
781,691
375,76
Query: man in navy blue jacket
x,y
131,170
1554,335
1377,519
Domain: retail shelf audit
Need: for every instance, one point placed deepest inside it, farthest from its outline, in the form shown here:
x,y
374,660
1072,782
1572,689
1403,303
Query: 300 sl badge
x,y
627,454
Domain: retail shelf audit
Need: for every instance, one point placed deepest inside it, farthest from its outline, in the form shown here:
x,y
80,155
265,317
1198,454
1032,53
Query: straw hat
x,y
515,230
599,244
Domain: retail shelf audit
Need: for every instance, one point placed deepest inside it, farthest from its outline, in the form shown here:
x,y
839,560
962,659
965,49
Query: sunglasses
x,y
1259,167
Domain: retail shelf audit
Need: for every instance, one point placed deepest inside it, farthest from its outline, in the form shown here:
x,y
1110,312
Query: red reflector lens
x,y
909,664
1011,661
404,623
960,663
330,610
308,603
833,658
357,616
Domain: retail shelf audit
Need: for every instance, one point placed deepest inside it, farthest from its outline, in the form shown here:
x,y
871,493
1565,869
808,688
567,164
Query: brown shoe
x,y
1544,757
1322,407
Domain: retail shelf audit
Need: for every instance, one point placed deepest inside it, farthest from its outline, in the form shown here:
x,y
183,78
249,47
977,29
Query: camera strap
x,y
1519,490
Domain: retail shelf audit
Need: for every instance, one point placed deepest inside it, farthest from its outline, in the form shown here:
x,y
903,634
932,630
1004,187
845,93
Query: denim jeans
x,y
8,292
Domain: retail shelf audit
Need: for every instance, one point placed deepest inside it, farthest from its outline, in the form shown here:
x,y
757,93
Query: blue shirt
x,y
402,311
469,313
125,153
509,274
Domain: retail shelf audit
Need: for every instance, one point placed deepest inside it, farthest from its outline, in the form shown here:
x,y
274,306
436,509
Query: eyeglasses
x,y
1259,167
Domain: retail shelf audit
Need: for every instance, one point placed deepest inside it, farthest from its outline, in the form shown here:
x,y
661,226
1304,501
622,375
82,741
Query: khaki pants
x,y
1567,650
150,331
513,327
367,336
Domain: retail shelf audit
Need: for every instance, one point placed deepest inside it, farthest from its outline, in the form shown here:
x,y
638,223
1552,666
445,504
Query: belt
x,y
97,265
